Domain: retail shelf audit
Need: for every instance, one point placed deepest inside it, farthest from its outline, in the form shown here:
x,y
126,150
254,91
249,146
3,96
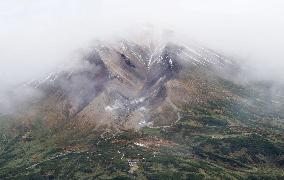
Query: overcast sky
x,y
36,35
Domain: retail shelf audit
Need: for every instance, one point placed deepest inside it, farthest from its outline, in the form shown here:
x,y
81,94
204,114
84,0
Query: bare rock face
x,y
127,84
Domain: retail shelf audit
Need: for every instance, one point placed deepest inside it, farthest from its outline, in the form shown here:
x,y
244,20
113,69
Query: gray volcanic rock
x,y
127,83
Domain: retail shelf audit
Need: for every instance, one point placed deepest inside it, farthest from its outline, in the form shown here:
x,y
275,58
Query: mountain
x,y
146,110
129,83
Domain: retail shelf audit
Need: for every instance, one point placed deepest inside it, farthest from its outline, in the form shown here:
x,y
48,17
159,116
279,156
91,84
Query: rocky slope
x,y
129,84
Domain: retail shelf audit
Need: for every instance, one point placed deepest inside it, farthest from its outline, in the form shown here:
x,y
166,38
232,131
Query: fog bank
x,y
36,35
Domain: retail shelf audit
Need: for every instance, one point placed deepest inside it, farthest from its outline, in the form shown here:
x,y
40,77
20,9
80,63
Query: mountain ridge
x,y
130,73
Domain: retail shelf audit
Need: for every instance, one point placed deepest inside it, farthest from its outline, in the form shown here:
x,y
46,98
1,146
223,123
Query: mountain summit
x,y
130,84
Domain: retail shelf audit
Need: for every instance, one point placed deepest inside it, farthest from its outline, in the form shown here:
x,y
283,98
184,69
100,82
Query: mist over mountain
x,y
141,89
132,104
36,35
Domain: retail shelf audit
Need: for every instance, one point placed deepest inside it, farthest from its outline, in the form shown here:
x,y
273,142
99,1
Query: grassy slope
x,y
189,152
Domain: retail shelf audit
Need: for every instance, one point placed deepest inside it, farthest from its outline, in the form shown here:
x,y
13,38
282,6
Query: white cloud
x,y
35,34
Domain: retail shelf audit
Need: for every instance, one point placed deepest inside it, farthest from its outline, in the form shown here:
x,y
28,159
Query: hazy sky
x,y
36,34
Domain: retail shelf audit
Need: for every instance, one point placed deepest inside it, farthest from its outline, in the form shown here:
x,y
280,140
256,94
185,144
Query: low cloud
x,y
37,36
